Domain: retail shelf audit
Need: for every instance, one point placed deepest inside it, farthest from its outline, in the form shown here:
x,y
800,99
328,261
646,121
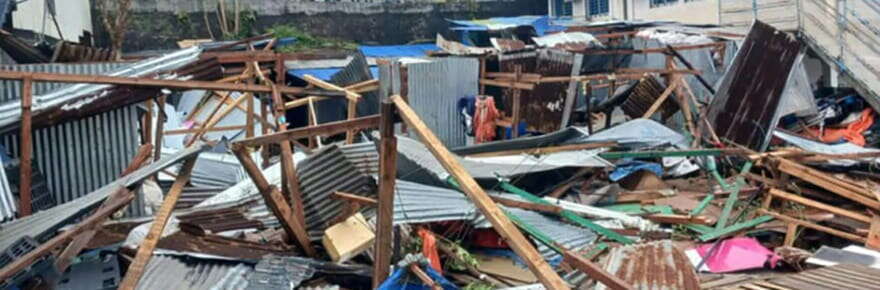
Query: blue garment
x,y
402,280
627,168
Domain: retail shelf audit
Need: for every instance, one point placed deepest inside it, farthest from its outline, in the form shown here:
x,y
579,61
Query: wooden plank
x,y
545,150
160,127
303,101
275,201
679,219
493,213
790,234
212,129
508,84
219,117
354,198
26,147
145,250
352,96
330,128
80,241
595,271
827,182
656,105
873,241
815,204
387,181
159,83
369,85
545,208
414,268
814,226
46,248
351,112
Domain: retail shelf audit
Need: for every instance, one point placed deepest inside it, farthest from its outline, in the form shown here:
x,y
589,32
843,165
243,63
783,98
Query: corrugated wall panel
x,y
434,91
80,156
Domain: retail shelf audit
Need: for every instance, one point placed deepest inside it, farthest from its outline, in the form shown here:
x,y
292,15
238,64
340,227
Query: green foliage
x,y
478,285
462,258
306,41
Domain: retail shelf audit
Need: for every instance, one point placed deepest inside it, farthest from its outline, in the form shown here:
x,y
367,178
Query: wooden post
x,y
160,128
264,150
790,234
147,127
493,213
482,74
873,241
387,179
250,130
517,105
275,201
145,251
588,94
352,114
24,190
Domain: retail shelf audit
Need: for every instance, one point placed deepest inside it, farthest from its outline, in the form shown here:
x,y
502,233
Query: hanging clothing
x,y
429,249
485,115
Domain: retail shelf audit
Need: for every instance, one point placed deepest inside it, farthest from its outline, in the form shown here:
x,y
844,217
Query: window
x,y
597,7
562,8
661,3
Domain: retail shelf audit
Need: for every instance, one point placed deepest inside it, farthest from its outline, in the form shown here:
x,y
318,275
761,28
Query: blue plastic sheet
x,y
402,280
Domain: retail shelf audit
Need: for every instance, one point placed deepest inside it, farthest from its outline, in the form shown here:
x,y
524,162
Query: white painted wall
x,y
693,12
74,16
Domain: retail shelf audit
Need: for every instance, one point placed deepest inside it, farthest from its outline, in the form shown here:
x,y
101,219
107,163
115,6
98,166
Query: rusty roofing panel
x,y
745,107
656,265
541,108
642,97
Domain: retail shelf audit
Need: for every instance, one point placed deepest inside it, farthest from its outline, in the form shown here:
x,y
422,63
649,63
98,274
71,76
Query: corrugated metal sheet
x,y
320,175
185,272
434,89
643,95
419,203
8,205
42,225
10,111
80,156
363,155
746,107
356,71
842,276
570,236
541,108
277,272
656,265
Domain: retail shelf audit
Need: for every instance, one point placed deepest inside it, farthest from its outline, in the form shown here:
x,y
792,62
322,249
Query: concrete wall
x,y
74,17
159,24
694,12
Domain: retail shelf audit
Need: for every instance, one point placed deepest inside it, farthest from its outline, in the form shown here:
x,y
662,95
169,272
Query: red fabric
x,y
429,249
852,132
488,238
485,114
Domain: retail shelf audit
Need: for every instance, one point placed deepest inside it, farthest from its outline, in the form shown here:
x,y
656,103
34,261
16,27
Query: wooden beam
x,y
387,181
80,241
545,208
818,205
145,250
160,127
546,150
595,271
330,128
354,198
679,219
212,129
328,86
414,268
159,83
46,248
828,182
351,114
873,241
806,224
508,84
790,234
363,85
656,105
275,201
26,148
493,213
303,101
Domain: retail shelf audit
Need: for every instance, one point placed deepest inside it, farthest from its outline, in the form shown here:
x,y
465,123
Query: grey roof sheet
x,y
42,225
184,272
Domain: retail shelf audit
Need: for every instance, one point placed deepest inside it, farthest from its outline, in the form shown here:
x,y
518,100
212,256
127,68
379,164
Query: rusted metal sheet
x,y
541,108
642,97
656,265
72,52
746,106
505,45
841,276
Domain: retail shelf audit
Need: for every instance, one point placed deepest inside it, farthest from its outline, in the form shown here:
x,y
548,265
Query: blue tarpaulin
x,y
542,24
625,169
401,280
389,51
324,73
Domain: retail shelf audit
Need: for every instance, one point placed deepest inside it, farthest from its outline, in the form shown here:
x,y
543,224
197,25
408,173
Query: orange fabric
x,y
429,249
852,132
485,114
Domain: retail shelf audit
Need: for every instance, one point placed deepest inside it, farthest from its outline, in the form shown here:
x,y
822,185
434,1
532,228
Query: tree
x,y
115,16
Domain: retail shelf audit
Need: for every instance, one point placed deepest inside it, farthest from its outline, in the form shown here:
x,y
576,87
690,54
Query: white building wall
x,y
74,17
691,12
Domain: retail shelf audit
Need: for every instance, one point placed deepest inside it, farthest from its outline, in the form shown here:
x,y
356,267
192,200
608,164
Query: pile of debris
x,y
629,157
